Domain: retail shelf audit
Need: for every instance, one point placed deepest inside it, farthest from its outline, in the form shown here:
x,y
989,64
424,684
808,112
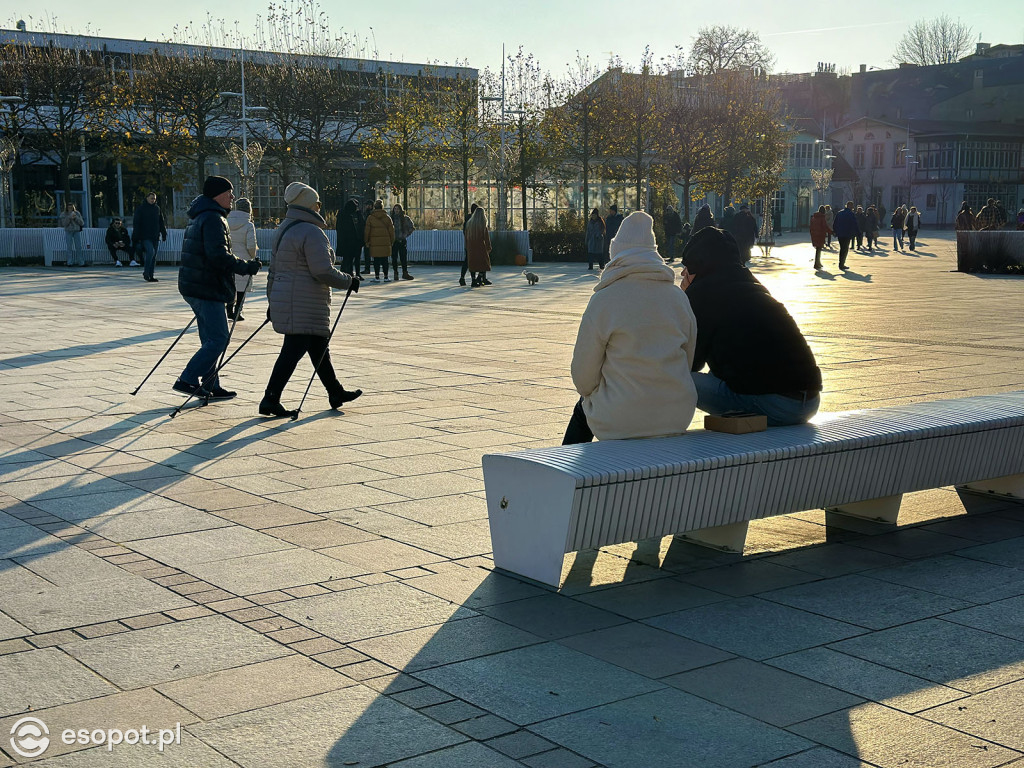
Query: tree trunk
x,y
686,198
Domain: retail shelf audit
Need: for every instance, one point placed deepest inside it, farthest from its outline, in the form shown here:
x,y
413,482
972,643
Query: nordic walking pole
x,y
219,367
136,390
297,411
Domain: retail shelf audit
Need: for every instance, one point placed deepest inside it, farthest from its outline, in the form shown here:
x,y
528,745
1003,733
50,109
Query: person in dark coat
x,y
148,228
862,226
745,231
728,220
704,218
820,230
777,221
673,227
611,228
595,239
465,258
367,259
846,228
118,240
759,361
206,281
350,227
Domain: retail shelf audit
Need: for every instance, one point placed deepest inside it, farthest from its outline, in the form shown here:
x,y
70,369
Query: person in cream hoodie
x,y
242,233
631,364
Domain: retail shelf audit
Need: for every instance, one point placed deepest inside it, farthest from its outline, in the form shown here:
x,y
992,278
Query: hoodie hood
x,y
238,219
637,264
300,213
202,204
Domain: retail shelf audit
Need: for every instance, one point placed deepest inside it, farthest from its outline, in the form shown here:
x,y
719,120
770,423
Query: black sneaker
x,y
219,393
188,389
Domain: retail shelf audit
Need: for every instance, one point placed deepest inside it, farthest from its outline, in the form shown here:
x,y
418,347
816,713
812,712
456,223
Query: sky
x,y
554,31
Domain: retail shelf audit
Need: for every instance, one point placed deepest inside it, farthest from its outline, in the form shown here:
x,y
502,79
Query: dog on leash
x,y
531,278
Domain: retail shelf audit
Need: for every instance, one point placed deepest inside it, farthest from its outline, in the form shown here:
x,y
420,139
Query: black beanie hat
x,y
215,185
710,249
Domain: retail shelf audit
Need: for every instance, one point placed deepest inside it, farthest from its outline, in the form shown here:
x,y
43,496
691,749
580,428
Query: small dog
x,y
531,278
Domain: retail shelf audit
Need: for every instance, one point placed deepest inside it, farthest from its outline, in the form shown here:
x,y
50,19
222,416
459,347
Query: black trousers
x,y
400,252
366,259
292,350
578,430
912,236
844,248
350,261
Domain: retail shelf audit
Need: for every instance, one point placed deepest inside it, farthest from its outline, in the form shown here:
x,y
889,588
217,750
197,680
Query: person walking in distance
x,y
367,260
206,282
147,227
349,229
478,248
595,239
379,235
242,234
611,227
820,230
862,224
830,217
400,248
846,228
871,222
704,218
118,241
465,258
913,225
745,230
72,223
673,226
299,284
896,222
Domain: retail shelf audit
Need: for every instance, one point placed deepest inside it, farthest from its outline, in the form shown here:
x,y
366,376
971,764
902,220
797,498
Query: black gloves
x,y
355,285
254,266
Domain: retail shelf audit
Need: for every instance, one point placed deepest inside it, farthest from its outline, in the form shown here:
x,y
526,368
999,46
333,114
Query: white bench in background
x,y
94,246
543,503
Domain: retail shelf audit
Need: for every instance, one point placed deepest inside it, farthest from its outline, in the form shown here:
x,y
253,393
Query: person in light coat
x,y
379,236
72,223
242,233
299,284
631,364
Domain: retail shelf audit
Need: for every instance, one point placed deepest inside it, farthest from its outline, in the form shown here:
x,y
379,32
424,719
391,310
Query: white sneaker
x,y
386,280
134,263
118,264
376,279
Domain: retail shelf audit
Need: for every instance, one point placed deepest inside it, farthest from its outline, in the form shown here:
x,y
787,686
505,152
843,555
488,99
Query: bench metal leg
x,y
727,538
1011,485
886,509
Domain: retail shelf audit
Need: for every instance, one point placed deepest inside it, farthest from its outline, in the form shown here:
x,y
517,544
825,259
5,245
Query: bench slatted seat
x,y
543,503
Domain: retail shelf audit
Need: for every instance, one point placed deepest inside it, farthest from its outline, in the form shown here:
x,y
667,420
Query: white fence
x,y
425,245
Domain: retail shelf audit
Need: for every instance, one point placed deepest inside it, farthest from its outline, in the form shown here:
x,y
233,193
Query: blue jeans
x,y
148,248
715,397
74,241
212,321
897,238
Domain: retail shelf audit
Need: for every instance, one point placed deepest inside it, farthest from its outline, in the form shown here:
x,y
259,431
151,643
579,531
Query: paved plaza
x,y
320,592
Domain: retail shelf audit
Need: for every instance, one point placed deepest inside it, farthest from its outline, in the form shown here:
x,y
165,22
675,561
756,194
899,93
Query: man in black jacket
x,y
349,229
673,227
611,228
118,240
206,281
147,226
759,360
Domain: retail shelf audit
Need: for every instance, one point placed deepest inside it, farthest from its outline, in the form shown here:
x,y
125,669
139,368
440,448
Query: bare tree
x,y
940,40
723,47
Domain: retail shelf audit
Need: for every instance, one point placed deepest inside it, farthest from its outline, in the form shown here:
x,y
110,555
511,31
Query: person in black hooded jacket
x,y
206,281
350,237
759,361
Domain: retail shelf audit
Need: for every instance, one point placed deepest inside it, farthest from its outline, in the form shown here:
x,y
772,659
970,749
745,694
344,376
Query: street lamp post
x,y
502,209
910,179
245,116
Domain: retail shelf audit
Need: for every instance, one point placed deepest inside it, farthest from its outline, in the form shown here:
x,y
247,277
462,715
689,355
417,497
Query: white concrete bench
x,y
708,485
94,246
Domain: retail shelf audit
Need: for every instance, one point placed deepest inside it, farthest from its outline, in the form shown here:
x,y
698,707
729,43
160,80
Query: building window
x,y
801,155
858,155
877,155
930,202
899,197
899,154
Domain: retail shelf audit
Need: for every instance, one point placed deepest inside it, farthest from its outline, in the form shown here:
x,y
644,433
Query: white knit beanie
x,y
301,195
637,231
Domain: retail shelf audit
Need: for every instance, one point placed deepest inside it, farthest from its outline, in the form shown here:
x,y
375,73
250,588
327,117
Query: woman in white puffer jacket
x,y
631,364
242,233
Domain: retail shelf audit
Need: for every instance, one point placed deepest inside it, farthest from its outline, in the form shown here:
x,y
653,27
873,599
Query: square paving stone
x,y
755,628
669,729
10,628
185,549
253,686
650,598
763,692
441,510
449,642
973,580
1003,617
645,650
27,541
475,587
364,612
124,711
892,739
1009,553
251,574
834,559
175,651
552,616
129,526
747,578
868,680
456,540
190,753
323,533
943,652
43,678
819,757
866,602
354,726
380,555
996,715
95,505
472,755
912,543
534,683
